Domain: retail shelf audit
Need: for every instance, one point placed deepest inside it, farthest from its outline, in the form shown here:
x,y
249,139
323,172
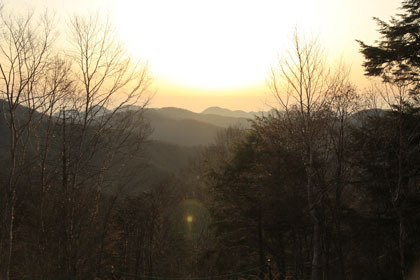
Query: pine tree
x,y
396,56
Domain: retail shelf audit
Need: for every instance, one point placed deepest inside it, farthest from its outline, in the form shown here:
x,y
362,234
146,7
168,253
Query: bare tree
x,y
344,101
56,86
399,98
25,48
300,84
69,115
97,140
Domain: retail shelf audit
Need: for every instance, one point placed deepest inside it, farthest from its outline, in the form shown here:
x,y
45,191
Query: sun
x,y
208,44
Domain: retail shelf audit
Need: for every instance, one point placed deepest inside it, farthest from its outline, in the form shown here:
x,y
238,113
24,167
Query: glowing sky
x,y
218,52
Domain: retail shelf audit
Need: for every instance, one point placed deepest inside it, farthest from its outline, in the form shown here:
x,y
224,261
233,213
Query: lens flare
x,y
190,219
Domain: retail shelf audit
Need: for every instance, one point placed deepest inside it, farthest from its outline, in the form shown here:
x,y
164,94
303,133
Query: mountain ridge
x,y
216,110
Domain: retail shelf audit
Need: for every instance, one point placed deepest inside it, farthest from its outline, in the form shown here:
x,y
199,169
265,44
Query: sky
x,y
204,53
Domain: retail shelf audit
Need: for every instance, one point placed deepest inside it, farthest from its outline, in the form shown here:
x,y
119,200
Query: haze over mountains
x,y
229,113
183,127
176,135
179,135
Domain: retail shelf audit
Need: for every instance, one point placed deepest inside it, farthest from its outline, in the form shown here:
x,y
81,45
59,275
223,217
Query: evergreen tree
x,y
396,56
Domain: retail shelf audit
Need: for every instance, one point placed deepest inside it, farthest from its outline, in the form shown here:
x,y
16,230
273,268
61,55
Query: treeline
x,y
65,159
325,188
75,202
365,196
328,187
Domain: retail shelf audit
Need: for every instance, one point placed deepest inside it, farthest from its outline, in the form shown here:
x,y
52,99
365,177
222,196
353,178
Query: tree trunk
x,y
11,197
401,243
261,244
317,249
313,210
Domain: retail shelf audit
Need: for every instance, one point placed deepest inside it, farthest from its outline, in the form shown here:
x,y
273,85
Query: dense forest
x,y
325,186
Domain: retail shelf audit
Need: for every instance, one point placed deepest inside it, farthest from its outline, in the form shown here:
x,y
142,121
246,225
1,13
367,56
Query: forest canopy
x,y
324,186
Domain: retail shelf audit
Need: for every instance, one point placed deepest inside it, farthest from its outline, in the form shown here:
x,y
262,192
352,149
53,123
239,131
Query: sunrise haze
x,y
206,53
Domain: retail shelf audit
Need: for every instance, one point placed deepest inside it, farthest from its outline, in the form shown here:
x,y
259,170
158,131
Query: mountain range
x,y
183,127
177,135
236,114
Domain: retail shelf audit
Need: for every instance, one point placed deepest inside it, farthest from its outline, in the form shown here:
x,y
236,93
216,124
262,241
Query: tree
x,y
301,86
71,128
343,99
150,240
395,57
98,137
385,163
25,51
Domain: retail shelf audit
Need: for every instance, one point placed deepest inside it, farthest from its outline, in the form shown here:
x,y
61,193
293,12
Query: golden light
x,y
190,219
210,44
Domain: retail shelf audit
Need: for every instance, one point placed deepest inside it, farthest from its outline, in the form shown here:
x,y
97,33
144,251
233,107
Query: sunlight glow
x,y
190,219
210,44
219,52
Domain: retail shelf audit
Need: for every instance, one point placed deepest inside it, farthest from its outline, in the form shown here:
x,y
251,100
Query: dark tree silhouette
x,y
395,57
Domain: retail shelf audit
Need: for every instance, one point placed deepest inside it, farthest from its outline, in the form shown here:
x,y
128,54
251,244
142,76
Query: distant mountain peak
x,y
215,110
225,112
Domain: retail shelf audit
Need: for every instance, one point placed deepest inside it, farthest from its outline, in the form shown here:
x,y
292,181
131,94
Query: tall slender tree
x,y
25,49
301,86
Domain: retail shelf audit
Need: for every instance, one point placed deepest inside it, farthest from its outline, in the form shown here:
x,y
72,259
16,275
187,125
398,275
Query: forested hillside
x,y
96,185
187,128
